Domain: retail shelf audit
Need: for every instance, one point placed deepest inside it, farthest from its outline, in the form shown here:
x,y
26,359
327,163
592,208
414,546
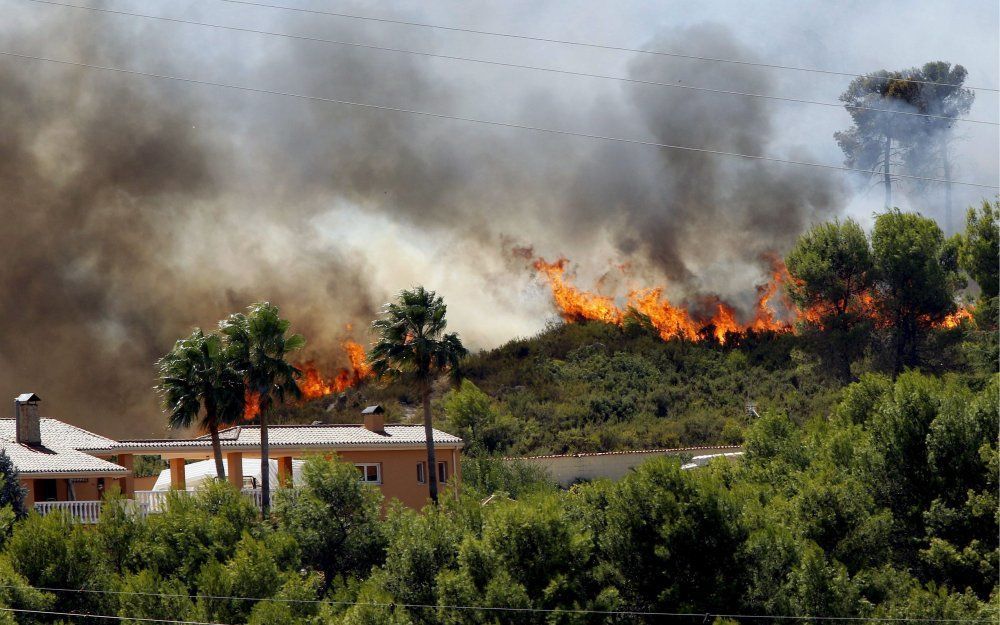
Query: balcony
x,y
145,502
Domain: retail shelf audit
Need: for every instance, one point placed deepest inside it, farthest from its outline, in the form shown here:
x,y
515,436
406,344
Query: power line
x,y
510,65
106,616
590,45
428,606
487,122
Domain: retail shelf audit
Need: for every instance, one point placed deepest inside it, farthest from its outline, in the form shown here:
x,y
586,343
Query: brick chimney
x,y
374,418
27,422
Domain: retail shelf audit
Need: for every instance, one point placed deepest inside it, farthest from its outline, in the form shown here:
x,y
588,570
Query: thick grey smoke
x,y
124,230
136,209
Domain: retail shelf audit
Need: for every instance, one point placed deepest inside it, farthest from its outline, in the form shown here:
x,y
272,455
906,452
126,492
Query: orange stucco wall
x,y
146,482
84,489
399,472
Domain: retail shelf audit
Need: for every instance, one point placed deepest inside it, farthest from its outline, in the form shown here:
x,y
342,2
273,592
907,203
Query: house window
x,y
442,475
370,473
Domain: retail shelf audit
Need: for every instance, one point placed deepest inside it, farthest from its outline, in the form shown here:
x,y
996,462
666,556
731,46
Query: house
x,y
66,467
58,461
390,456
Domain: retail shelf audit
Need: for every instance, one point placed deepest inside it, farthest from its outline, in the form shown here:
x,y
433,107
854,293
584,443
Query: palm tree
x,y
411,340
198,380
258,346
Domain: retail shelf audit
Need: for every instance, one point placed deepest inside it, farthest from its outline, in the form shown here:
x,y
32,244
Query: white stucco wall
x,y
565,470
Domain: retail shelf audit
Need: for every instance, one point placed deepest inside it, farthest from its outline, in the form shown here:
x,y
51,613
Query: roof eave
x,y
274,449
70,474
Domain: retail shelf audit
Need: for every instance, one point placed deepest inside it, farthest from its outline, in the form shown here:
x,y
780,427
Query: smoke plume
x,y
138,208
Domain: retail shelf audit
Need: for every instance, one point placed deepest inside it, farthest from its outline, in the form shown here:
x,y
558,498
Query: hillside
x,y
597,387
655,375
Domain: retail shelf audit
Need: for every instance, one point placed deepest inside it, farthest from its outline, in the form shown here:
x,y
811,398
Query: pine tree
x,y
11,492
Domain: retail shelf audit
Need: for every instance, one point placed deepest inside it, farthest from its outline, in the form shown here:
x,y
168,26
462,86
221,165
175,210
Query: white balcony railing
x,y
146,502
254,495
82,511
156,500
150,500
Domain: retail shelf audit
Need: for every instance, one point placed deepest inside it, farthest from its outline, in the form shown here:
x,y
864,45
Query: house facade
x,y
63,466
392,457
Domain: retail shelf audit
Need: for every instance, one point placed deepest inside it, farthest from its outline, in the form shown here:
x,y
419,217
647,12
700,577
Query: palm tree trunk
x,y
220,469
265,465
432,484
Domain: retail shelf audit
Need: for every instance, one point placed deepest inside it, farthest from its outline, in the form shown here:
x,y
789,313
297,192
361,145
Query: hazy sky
x,y
142,208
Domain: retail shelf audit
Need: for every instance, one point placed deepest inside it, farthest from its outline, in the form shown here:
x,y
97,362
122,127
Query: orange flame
x,y
673,322
956,318
251,404
669,320
724,321
764,315
314,385
574,304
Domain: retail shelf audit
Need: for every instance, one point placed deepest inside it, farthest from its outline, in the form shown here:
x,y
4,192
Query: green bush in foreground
x,y
887,509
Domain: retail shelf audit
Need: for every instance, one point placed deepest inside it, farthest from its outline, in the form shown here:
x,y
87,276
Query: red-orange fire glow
x,y
671,321
764,315
956,318
251,404
724,321
574,304
314,384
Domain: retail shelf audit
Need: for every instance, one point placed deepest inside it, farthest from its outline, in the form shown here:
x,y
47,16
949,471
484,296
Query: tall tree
x,y
199,384
410,340
980,254
873,101
917,279
832,273
11,492
259,345
941,95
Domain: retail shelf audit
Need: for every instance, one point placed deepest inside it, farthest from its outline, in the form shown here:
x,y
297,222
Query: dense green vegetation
x,y
886,509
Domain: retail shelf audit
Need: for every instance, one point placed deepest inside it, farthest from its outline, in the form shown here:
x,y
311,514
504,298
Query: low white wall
x,y
567,469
